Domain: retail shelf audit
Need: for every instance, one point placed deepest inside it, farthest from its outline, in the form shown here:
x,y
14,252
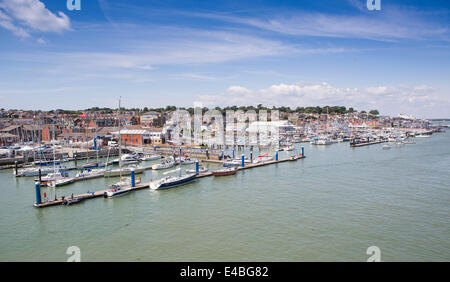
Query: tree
x,y
374,112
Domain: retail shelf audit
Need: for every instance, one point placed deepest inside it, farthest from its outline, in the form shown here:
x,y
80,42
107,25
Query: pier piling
x,y
133,179
242,159
303,151
196,167
38,192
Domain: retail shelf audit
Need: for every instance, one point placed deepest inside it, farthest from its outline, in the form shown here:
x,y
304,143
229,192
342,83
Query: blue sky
x,y
292,53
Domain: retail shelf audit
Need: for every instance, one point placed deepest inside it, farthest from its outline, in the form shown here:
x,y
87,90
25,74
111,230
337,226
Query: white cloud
x,y
19,16
7,23
392,24
388,99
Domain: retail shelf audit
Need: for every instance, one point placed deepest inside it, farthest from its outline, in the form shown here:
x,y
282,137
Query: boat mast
x,y
120,143
87,144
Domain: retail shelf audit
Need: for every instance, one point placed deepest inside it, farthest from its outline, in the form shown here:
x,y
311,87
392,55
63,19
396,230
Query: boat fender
x,y
105,195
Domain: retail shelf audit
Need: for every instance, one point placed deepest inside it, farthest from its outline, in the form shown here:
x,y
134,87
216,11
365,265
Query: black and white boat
x,y
171,181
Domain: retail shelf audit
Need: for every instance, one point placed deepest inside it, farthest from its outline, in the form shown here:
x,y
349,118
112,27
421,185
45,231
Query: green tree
x,y
374,112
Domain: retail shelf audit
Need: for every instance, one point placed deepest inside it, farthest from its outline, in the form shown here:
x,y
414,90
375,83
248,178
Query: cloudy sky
x,y
291,53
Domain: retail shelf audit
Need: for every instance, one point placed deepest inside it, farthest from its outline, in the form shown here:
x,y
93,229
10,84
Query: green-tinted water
x,y
330,206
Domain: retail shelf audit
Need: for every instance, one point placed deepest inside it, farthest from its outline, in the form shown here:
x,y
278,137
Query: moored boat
x,y
150,157
124,171
61,182
201,169
224,172
164,164
172,181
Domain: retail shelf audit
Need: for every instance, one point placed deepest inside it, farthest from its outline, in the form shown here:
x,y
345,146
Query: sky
x,y
224,53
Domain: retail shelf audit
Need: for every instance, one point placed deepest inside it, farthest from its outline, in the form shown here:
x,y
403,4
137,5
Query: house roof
x,y
9,128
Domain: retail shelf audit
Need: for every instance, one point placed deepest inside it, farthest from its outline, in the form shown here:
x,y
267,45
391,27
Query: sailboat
x,y
63,179
122,186
263,158
172,181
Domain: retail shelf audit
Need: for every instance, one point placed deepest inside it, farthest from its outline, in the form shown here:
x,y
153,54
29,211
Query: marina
x,y
101,193
310,198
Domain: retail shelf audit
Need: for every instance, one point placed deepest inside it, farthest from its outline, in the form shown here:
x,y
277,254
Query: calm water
x,y
330,206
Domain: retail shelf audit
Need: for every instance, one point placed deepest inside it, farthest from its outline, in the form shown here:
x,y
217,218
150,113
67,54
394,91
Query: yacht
x,y
53,176
262,159
164,164
127,159
172,181
150,157
185,160
34,171
90,172
201,169
61,182
124,171
321,141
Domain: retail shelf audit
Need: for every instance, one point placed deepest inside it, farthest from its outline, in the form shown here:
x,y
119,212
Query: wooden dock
x,y
100,193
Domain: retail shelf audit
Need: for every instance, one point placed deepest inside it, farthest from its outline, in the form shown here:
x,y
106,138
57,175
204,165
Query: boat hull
x,y
224,172
175,183
115,172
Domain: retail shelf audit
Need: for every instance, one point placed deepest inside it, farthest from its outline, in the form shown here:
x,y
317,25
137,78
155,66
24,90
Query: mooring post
x,y
242,159
276,155
133,179
15,168
75,157
38,192
303,151
196,167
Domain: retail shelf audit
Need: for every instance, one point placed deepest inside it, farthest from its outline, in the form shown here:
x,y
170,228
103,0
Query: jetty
x,y
361,144
100,193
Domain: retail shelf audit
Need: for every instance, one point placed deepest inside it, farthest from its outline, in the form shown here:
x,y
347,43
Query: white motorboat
x,y
289,148
321,141
262,159
124,171
120,188
185,160
54,176
127,159
150,157
34,171
201,169
232,163
164,164
117,190
90,173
